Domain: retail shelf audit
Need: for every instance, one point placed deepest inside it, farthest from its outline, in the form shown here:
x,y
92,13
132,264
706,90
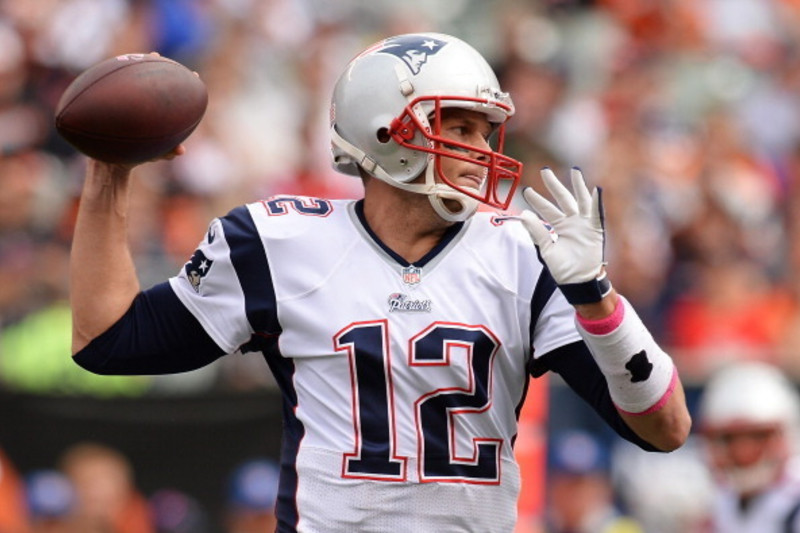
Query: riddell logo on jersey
x,y
400,302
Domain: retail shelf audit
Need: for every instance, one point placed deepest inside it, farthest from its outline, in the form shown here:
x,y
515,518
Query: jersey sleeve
x,y
552,317
157,335
226,285
555,327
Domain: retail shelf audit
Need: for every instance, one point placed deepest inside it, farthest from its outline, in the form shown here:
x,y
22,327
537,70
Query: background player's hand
x,y
573,248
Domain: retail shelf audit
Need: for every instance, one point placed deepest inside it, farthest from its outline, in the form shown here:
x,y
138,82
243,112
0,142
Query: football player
x,y
749,417
403,327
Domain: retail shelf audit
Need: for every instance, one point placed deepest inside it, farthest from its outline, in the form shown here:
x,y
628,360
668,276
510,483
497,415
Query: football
x,y
131,108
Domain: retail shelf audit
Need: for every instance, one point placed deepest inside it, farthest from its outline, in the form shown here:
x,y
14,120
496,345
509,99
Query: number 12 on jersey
x,y
374,407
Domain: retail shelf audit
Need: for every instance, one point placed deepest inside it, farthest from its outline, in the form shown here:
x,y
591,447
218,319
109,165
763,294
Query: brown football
x,y
131,108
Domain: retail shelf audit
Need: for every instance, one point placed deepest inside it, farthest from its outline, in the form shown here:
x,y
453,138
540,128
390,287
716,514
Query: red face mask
x,y
502,172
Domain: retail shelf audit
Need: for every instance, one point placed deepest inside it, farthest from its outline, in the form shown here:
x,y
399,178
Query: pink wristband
x,y
603,326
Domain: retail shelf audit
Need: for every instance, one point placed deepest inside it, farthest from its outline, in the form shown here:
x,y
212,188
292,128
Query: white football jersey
x,y
402,383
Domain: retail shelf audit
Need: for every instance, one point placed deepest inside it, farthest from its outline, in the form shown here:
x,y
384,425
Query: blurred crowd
x,y
93,489
686,112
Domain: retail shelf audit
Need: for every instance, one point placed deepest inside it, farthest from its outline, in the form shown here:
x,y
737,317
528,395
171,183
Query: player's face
x,y
754,453
466,127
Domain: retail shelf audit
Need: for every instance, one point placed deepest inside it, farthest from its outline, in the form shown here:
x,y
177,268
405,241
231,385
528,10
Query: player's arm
x,y
575,364
642,381
103,280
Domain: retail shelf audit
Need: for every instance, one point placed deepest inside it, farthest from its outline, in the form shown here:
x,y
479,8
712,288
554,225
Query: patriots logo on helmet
x,y
197,268
414,50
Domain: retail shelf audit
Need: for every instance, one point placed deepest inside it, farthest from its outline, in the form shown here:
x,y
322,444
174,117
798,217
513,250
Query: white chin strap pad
x,y
468,205
440,192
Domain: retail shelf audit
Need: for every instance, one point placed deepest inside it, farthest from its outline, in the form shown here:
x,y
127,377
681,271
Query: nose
x,y
744,452
746,448
482,148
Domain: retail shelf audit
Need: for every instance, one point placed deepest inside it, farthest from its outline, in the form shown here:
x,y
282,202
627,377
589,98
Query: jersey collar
x,y
448,236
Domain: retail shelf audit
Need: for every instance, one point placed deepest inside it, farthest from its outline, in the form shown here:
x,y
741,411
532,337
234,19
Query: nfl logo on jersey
x,y
412,275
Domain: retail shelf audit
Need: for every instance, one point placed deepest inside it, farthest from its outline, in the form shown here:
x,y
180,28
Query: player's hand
x,y
120,173
570,235
172,154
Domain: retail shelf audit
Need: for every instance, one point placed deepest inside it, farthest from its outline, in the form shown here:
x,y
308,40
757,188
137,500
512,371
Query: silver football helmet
x,y
385,119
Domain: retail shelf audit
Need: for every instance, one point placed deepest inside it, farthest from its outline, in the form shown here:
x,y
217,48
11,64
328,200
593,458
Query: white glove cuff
x,y
640,375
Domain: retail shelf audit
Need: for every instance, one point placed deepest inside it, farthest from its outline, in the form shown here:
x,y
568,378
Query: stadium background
x,y
685,111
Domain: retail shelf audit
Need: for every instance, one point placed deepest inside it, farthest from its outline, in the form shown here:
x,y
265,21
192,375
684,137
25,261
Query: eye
x,y
459,129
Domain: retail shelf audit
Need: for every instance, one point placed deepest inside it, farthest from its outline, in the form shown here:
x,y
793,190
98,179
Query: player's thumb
x,y
539,232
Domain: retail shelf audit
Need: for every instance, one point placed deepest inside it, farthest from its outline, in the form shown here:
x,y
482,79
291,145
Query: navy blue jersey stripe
x,y
293,432
545,287
249,259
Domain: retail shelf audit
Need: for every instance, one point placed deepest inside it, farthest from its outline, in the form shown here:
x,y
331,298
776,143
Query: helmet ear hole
x,y
383,135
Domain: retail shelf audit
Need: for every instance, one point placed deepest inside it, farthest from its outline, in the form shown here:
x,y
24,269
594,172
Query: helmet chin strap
x,y
438,194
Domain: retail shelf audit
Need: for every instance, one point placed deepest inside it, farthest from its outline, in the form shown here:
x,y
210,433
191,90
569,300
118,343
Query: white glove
x,y
573,249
